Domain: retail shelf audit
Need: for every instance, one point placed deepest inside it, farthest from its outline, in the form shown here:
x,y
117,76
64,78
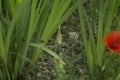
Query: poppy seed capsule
x,y
114,45
112,41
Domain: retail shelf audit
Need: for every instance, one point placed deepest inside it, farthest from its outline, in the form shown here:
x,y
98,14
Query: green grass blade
x,y
118,77
55,17
100,33
87,46
2,45
110,14
43,47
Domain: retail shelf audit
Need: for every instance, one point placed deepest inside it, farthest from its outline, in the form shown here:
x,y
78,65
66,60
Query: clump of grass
x,y
95,22
21,21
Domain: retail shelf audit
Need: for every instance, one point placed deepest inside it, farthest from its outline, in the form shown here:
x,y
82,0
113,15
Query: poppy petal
x,y
112,41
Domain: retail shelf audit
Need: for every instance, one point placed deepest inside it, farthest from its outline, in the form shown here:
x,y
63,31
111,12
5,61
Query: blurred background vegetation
x,y
58,39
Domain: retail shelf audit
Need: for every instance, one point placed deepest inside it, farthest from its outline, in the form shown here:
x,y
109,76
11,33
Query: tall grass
x,y
95,22
23,22
27,25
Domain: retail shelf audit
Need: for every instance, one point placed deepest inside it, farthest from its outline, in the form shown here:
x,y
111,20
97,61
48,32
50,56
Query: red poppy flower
x,y
112,41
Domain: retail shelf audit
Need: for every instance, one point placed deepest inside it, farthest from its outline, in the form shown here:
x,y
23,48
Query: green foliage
x,y
95,22
23,22
26,26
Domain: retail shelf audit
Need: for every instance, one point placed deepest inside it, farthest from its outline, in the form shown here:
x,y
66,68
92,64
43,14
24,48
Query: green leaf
x,y
59,36
43,47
